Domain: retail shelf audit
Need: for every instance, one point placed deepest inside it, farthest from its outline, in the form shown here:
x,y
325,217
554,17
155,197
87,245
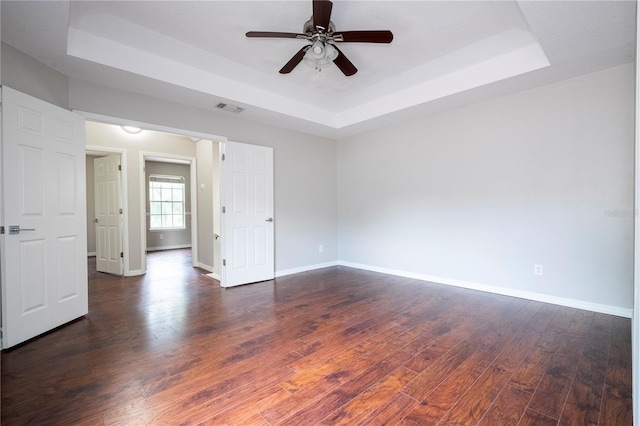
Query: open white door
x,y
108,199
43,249
247,214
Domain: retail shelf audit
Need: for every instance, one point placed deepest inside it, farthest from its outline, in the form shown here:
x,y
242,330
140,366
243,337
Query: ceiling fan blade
x,y
344,64
293,62
322,13
364,36
272,34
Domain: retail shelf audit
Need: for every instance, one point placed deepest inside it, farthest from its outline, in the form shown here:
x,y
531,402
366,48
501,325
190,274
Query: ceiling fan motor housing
x,y
310,29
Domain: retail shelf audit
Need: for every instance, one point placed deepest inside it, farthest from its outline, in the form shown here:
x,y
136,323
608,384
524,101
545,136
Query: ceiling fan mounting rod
x,y
316,32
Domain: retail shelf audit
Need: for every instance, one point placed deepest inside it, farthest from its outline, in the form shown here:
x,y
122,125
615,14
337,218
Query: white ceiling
x,y
444,53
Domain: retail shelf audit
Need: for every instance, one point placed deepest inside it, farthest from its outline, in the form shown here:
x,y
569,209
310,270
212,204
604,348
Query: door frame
x,y
103,151
120,121
175,159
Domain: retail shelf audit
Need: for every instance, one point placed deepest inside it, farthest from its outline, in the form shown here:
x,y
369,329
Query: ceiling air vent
x,y
230,108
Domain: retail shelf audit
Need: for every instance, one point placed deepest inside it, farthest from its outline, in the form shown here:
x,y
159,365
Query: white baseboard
x,y
91,254
572,303
214,276
179,246
305,268
134,273
204,266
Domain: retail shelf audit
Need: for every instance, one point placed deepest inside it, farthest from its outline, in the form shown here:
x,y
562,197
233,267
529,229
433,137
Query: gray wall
x,y
91,206
305,182
23,73
208,186
480,194
476,195
168,239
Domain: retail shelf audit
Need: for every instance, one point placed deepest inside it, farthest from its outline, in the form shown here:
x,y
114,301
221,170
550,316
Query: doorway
x,y
105,189
171,147
170,203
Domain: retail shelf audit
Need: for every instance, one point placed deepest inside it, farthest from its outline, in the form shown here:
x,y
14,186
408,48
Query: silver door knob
x,y
15,229
95,220
269,220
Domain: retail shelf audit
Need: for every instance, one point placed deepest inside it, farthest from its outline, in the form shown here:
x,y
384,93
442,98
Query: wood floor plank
x,y
585,396
473,405
530,372
173,347
366,403
391,411
425,382
335,399
532,418
246,408
441,398
516,350
550,396
621,343
508,408
617,409
311,385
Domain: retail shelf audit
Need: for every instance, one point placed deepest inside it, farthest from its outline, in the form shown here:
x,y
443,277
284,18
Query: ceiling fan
x,y
322,34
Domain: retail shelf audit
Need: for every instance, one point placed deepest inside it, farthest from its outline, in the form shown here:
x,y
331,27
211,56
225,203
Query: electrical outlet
x,y
162,236
320,248
537,269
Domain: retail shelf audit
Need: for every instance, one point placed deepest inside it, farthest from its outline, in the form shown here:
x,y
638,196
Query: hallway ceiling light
x,y
131,129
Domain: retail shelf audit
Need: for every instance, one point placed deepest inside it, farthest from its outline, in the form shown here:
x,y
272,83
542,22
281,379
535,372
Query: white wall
x,y
305,167
476,196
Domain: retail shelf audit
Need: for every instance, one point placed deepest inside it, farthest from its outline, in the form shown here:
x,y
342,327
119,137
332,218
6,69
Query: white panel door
x,y
247,216
108,200
44,265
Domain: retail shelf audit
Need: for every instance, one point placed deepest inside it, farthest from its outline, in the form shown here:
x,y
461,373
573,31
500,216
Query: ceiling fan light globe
x,y
330,52
317,51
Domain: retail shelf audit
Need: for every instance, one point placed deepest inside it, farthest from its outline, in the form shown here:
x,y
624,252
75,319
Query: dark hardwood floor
x,y
332,346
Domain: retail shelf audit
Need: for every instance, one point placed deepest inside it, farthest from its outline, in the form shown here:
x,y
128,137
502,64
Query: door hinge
x,y
224,209
121,254
1,230
224,262
223,157
120,167
120,211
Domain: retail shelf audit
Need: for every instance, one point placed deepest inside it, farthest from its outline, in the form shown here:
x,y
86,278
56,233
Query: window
x,y
166,202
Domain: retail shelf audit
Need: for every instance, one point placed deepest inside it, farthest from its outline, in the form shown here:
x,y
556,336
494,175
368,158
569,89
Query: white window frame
x,y
172,179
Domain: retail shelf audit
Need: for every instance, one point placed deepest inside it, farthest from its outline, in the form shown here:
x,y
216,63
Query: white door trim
x,y
169,158
100,150
635,319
